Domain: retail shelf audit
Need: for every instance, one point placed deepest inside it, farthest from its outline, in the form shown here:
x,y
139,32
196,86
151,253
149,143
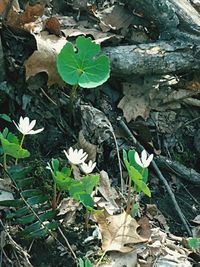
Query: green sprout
x,y
82,66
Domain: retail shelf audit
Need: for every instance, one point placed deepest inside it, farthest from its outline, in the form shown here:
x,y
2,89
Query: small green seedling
x,y
138,174
83,65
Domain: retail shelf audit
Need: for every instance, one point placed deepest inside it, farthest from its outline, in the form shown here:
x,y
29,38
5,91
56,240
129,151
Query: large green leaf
x,y
84,67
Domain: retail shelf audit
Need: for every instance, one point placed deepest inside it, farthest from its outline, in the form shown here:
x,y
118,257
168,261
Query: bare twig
x,y
160,176
68,244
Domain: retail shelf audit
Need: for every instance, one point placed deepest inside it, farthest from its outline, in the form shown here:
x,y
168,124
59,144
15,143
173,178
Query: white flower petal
x,y
88,167
148,161
31,125
137,159
25,126
36,131
144,156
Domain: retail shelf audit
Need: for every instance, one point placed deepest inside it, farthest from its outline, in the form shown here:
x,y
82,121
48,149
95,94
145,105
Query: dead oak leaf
x,y
44,58
134,103
119,232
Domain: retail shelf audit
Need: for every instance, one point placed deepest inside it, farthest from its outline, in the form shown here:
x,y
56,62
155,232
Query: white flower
x,y
76,156
25,126
88,167
145,160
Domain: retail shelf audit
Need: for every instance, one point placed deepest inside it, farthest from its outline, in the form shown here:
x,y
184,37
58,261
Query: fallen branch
x,y
179,169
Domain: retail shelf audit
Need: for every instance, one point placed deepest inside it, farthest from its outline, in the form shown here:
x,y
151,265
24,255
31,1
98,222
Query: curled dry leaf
x,y
109,194
44,58
52,25
119,232
18,19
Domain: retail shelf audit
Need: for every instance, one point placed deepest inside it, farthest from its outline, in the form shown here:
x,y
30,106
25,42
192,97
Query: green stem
x,y
73,94
4,162
21,143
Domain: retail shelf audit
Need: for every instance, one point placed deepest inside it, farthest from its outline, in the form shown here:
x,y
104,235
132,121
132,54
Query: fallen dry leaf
x,y
115,17
109,194
134,103
18,19
141,96
52,25
167,252
98,36
117,259
119,232
4,3
44,59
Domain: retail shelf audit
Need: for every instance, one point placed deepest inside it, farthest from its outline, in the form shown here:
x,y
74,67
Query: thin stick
x,y
160,176
68,244
118,156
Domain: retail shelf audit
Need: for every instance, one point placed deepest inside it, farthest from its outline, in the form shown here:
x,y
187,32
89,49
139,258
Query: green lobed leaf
x,y
62,181
14,150
84,67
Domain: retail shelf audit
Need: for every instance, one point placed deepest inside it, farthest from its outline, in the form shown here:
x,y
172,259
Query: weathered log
x,y
169,15
153,58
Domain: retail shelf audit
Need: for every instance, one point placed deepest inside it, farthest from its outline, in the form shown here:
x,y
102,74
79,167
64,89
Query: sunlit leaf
x,y
85,67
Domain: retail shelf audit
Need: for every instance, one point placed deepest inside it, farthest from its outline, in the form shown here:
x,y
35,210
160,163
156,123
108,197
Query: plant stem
x,y
54,201
129,196
4,162
73,95
21,143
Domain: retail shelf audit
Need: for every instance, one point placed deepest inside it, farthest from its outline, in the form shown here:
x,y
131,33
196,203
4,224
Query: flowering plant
x,y
138,172
81,189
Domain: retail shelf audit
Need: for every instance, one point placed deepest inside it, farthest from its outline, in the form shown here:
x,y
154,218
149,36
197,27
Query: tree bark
x,y
154,58
176,51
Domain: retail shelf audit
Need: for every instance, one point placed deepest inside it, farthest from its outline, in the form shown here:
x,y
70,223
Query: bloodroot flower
x,y
88,167
76,156
26,127
145,160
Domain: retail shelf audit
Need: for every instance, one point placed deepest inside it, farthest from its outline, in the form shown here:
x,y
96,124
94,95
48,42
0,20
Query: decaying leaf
x,y
4,5
151,93
44,59
117,259
119,232
135,102
18,19
109,195
115,17
98,36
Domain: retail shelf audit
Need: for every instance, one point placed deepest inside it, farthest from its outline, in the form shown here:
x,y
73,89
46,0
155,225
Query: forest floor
x,y
151,113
